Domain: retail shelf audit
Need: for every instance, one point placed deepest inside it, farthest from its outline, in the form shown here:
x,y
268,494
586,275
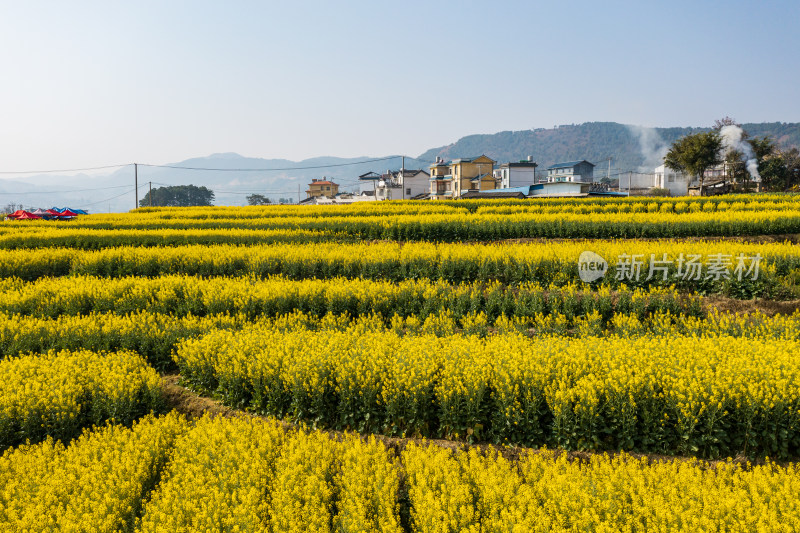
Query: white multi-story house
x,y
574,171
519,174
398,185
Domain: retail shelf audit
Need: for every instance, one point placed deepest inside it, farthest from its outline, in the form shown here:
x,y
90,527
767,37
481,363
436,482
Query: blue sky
x,y
92,83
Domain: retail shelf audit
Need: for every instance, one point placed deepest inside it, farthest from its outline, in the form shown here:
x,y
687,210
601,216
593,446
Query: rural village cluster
x,y
481,177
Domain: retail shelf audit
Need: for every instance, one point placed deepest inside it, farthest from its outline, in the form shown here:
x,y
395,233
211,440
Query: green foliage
x,y
694,154
178,196
781,170
258,199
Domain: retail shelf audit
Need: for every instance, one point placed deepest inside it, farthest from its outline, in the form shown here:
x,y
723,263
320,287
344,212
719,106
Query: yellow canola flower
x,y
667,393
58,392
96,483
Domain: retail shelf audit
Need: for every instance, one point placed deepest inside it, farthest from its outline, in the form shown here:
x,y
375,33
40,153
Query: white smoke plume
x,y
732,140
651,145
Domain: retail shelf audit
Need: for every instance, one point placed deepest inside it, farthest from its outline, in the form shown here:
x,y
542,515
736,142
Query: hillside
x,y
631,147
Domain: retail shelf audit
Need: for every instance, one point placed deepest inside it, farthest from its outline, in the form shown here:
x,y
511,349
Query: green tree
x,y
694,154
178,196
781,171
258,199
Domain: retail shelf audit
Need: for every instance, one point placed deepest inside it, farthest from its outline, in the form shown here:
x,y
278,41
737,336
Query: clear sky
x,y
87,83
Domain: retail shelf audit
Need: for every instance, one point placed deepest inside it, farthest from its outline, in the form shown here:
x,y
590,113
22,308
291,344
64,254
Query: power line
x,y
63,170
272,169
63,192
112,198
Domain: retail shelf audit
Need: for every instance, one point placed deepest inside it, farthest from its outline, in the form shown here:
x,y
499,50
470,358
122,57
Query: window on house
x,y
408,192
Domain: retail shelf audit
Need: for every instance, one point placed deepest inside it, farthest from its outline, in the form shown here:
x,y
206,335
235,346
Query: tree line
x,y
694,154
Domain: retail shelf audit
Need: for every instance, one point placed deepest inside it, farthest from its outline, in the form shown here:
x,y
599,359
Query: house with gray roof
x,y
571,171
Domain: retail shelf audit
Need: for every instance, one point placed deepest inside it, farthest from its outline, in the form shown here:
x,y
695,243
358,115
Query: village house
x,y
451,180
322,187
572,171
520,174
403,184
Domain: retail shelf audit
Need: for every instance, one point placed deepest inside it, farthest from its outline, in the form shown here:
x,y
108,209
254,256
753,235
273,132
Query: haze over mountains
x,y
631,148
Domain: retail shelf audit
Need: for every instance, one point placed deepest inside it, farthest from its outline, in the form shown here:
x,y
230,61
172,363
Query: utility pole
x,y
136,183
298,193
151,194
608,175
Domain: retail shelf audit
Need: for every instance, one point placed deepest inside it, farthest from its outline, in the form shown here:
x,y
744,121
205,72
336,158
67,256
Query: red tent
x,y
68,213
53,212
23,215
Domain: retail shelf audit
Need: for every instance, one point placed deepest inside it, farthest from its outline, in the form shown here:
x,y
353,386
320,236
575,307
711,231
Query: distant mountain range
x,y
628,147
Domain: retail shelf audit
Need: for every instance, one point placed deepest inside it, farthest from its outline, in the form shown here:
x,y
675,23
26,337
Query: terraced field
x,y
555,365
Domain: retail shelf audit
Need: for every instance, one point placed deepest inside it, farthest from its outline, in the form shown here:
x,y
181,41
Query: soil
x,y
767,307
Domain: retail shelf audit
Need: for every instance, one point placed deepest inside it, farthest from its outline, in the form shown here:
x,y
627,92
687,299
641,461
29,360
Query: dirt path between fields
x,y
768,307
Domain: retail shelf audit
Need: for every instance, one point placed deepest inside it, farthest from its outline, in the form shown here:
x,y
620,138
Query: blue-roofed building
x,y
571,171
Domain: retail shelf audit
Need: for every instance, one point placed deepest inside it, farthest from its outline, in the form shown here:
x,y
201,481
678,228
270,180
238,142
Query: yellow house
x,y
322,187
462,175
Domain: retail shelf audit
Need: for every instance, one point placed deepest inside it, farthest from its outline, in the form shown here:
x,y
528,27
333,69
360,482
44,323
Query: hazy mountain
x,y
629,147
114,192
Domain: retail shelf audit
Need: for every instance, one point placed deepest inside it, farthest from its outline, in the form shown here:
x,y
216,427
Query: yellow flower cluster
x,y
488,220
73,237
544,262
97,483
236,474
546,492
255,297
323,485
218,479
56,394
710,396
241,474
634,204
151,335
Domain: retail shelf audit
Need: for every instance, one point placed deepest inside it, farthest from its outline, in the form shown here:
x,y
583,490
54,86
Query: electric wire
x,y
271,169
63,170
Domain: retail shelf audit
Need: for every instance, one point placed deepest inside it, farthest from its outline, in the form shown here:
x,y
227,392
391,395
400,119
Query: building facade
x,y
441,183
459,176
518,174
322,187
403,184
677,183
572,171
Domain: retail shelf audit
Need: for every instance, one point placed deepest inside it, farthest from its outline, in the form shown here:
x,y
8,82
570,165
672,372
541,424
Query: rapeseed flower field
x,y
405,366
